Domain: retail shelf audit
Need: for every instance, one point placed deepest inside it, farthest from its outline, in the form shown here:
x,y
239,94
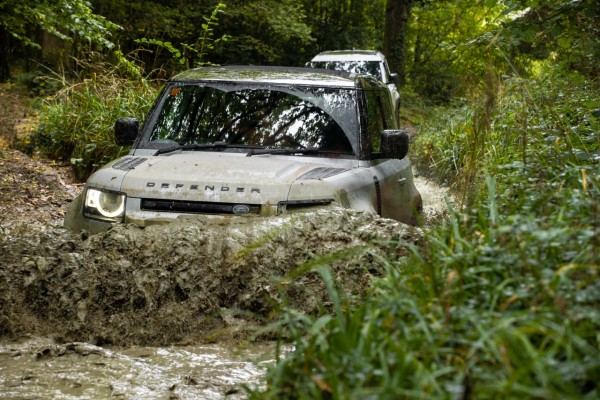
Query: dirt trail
x,y
43,369
30,189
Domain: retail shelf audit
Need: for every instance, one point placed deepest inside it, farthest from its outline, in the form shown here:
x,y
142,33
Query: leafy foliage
x,y
194,54
452,45
343,24
265,32
566,31
55,17
258,32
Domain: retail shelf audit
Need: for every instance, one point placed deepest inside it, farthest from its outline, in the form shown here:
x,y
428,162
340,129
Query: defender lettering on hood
x,y
231,141
206,187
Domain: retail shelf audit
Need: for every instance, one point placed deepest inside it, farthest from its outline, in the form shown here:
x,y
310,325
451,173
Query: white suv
x,y
235,141
370,62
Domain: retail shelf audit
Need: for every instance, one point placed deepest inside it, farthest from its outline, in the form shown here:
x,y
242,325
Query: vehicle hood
x,y
218,177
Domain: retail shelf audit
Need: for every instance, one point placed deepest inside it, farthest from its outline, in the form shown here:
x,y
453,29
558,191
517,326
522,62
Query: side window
x,y
386,72
388,108
375,118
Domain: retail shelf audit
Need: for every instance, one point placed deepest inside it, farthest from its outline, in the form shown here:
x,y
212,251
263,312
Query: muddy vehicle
x,y
230,142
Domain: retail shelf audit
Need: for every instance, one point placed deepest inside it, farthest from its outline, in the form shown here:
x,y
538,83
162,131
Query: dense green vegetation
x,y
503,301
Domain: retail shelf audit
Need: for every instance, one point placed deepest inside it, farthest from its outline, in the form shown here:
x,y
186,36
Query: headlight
x,y
104,205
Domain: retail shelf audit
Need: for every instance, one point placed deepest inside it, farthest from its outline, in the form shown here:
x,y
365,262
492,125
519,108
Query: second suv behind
x,y
369,62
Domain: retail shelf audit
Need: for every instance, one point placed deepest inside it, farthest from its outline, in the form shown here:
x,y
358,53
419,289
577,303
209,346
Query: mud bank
x,y
187,282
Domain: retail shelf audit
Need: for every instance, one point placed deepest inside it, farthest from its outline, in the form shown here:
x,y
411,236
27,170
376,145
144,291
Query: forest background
x,y
502,300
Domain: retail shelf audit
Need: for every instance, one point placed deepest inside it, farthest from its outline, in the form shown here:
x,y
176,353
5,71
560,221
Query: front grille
x,y
198,207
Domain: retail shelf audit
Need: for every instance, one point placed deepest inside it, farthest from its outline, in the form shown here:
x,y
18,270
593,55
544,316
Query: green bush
x,y
76,124
39,84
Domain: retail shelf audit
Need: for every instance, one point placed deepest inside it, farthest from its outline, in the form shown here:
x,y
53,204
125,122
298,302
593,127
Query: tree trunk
x,y
5,51
394,40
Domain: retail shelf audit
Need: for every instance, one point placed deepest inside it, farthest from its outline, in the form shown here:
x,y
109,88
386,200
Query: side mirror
x,y
394,143
395,78
126,130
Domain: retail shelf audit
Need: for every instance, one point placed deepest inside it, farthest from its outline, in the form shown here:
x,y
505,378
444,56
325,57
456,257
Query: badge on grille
x,y
241,209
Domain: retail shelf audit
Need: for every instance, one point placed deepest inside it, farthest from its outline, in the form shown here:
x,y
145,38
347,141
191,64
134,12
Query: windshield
x,y
270,117
357,67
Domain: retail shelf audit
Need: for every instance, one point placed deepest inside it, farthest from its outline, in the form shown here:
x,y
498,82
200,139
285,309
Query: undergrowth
x,y
503,302
76,124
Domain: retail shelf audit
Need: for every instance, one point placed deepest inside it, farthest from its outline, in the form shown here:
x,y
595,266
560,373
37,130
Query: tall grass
x,y
503,302
76,124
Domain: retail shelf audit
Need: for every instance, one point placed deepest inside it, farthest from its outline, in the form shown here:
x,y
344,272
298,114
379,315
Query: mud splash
x,y
194,281
435,197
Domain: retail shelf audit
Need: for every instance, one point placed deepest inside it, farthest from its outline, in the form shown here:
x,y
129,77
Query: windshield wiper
x,y
194,146
307,150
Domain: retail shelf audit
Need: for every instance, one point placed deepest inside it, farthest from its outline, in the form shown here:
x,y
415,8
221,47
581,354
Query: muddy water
x,y
42,369
36,369
158,312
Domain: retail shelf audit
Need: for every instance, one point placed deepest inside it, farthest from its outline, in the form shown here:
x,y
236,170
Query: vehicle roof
x,y
270,75
349,55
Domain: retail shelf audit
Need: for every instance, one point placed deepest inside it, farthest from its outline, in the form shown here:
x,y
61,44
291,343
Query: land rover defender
x,y
254,141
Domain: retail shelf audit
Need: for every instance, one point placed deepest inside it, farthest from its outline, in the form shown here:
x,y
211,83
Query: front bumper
x,y
76,221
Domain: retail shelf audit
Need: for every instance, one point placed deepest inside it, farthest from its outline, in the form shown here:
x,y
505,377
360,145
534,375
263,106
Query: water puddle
x,y
40,368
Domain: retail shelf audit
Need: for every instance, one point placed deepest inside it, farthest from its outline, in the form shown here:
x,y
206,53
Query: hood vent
x,y
128,163
321,173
